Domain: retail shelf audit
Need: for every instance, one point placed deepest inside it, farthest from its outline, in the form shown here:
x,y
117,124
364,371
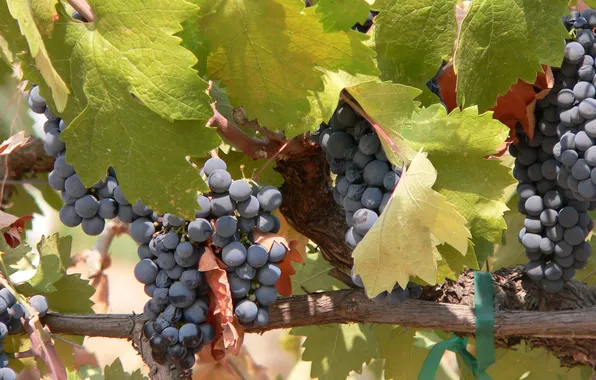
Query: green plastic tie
x,y
485,340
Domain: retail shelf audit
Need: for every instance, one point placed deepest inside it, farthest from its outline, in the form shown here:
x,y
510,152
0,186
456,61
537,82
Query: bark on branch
x,y
24,163
564,323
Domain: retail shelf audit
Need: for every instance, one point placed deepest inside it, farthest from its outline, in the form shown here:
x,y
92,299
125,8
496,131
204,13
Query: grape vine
x,y
341,169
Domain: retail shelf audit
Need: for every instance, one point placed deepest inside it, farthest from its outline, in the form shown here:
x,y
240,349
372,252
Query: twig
x,y
84,9
251,146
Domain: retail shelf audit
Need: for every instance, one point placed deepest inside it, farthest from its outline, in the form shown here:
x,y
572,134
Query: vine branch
x,y
569,331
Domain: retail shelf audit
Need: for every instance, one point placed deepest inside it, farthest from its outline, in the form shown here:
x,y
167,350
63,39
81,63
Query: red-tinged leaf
x,y
14,234
284,285
229,334
13,142
517,106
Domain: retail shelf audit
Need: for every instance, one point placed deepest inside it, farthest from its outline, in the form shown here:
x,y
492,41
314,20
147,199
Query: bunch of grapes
x,y
170,251
89,207
365,177
179,304
12,315
554,169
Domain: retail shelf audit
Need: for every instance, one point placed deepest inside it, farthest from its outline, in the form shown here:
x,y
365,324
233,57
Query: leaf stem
x,y
84,9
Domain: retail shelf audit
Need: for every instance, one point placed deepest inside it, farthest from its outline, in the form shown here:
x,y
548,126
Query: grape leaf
x,y
313,275
528,363
341,14
72,295
54,259
336,350
510,252
503,41
115,371
21,11
381,260
49,195
323,103
147,151
452,263
411,39
269,68
457,144
166,84
390,106
44,13
15,259
408,345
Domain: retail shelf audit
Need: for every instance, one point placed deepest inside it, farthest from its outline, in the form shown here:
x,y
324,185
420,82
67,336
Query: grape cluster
x,y
556,226
365,177
170,251
179,304
89,207
556,168
12,315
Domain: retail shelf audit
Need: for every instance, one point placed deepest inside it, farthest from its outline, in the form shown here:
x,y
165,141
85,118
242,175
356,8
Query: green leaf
x,y
381,260
323,103
341,14
510,252
21,11
23,203
147,151
72,295
313,276
49,195
126,47
525,363
404,350
115,371
457,144
17,259
18,343
336,350
453,263
412,38
269,68
503,41
54,259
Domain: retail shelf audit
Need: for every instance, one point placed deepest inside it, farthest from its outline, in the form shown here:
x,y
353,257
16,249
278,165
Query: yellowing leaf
x,y
266,54
419,216
457,144
21,11
390,106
